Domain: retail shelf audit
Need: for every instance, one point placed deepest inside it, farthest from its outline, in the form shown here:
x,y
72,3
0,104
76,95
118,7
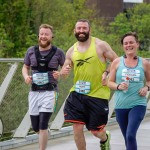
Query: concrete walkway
x,y
117,142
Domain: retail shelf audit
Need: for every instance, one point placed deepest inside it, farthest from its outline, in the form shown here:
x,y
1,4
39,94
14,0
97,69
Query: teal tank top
x,y
131,98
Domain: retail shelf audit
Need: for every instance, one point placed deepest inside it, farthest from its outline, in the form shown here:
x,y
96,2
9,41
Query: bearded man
x,y
87,103
44,60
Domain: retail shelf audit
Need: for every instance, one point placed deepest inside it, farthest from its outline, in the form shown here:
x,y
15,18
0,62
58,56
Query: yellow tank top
x,y
88,67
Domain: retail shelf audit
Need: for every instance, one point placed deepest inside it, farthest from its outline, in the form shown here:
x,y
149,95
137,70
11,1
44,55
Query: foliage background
x,y
20,20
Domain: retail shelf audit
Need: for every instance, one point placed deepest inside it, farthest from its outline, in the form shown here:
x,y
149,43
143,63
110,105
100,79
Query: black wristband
x,y
106,72
148,87
118,87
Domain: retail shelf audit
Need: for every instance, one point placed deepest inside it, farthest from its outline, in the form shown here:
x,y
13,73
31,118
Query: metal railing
x,y
14,117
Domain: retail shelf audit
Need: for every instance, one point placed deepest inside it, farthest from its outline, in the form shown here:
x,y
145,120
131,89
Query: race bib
x,y
82,87
40,78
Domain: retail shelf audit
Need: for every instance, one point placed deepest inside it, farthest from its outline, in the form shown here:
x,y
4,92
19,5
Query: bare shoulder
x,y
70,52
146,63
114,66
105,50
101,43
116,61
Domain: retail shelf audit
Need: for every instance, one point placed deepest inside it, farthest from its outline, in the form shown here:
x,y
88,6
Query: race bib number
x,y
82,87
40,78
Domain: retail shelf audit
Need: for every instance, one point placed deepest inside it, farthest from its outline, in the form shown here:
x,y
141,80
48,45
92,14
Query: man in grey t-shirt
x,y
43,60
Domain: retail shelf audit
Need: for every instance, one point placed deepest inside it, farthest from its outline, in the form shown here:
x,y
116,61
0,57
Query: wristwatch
x,y
148,87
107,72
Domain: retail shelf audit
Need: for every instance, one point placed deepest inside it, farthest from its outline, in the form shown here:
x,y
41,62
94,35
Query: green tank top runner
x,y
89,68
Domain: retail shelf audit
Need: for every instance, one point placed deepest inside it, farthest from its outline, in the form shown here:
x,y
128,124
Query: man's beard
x,y
44,45
82,39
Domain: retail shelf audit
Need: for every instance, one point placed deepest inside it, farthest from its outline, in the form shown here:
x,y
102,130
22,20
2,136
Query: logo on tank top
x,y
133,74
83,61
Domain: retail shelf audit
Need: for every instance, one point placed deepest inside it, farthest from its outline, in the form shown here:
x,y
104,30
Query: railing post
x,y
4,86
24,127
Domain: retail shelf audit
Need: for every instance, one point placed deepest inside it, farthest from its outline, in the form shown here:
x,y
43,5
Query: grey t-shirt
x,y
56,61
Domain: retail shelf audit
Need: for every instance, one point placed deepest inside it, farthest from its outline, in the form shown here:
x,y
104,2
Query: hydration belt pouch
x,y
45,87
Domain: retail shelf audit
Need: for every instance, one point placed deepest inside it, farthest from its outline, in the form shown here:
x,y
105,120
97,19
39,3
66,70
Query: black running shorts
x,y
91,111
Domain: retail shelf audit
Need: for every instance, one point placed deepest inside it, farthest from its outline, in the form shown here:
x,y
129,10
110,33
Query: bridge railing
x,y
14,117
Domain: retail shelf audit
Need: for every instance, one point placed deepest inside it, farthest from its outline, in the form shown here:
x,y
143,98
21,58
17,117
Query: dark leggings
x,y
129,121
40,122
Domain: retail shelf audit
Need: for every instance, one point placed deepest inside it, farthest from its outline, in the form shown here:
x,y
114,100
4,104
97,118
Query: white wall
x,y
133,1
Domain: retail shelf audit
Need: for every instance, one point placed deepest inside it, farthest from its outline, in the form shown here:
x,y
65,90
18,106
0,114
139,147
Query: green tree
x,y
14,16
5,43
22,19
135,19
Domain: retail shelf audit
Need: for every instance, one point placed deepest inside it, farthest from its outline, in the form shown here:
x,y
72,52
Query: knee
x,y
99,134
35,128
43,120
95,133
43,125
130,137
35,123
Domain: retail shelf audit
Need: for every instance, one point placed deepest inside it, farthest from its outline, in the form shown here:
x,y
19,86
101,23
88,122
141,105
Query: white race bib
x,y
40,78
82,87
